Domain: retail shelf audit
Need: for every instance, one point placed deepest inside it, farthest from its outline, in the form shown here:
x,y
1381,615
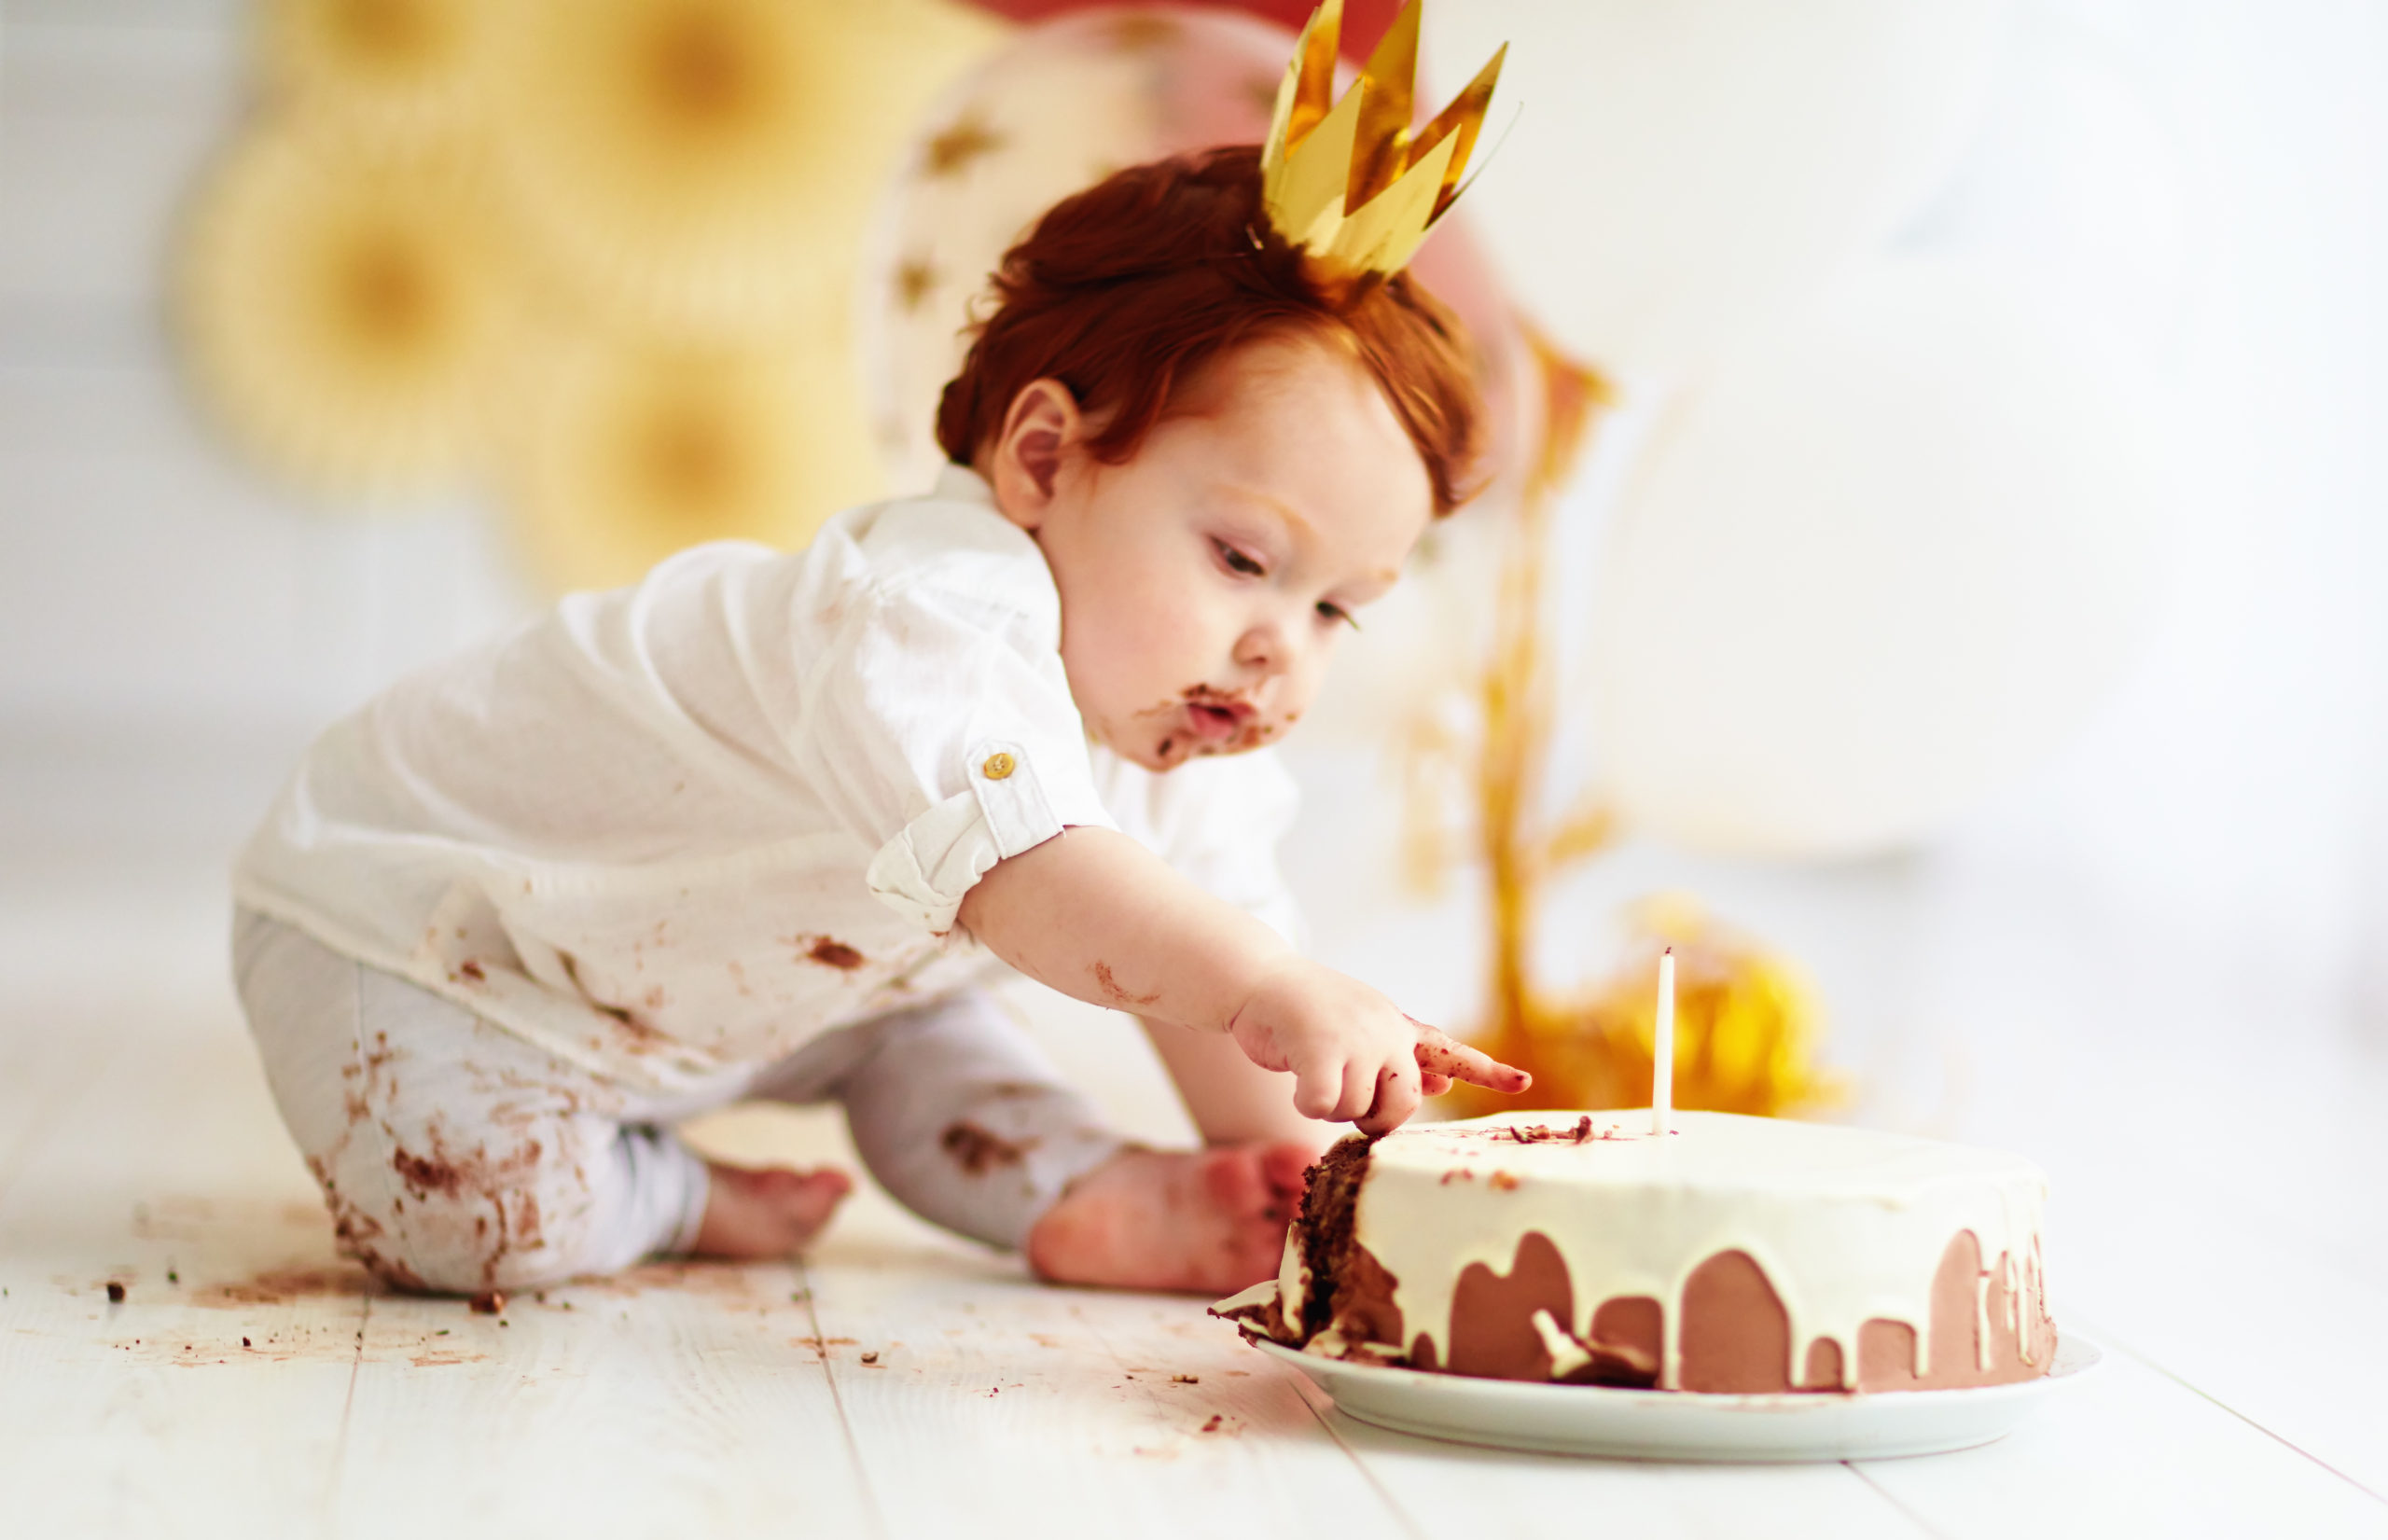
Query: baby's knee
x,y
449,1218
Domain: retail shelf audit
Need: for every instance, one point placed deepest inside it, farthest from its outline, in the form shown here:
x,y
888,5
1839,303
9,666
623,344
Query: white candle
x,y
1662,1062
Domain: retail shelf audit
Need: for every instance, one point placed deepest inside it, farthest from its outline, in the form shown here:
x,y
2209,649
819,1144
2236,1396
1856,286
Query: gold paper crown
x,y
1353,187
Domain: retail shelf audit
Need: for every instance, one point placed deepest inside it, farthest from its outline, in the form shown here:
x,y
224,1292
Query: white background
x,y
2210,176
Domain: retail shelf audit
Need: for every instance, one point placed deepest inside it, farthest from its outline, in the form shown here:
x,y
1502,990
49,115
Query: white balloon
x,y
1871,566
1422,645
1682,170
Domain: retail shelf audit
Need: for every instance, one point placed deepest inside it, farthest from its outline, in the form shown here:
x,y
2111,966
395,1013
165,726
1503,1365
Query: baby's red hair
x,y
1126,291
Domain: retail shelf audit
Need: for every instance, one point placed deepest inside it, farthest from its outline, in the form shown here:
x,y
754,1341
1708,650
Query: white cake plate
x,y
1647,1424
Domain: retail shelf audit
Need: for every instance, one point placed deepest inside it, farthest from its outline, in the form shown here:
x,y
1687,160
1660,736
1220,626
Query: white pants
x,y
455,1156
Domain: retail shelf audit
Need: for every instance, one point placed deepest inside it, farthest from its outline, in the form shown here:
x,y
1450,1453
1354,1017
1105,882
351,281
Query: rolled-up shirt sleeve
x,y
940,726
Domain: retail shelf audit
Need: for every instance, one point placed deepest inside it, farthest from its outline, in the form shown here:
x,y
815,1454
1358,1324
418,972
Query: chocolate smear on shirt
x,y
977,1151
638,1036
830,953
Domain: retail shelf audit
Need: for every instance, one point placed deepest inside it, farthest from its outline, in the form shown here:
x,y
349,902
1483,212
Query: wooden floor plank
x,y
681,1399
2128,1452
171,1178
1014,1407
2223,1223
2265,1322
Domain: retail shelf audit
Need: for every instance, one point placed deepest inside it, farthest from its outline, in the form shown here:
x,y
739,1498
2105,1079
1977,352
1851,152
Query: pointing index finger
x,y
1439,1054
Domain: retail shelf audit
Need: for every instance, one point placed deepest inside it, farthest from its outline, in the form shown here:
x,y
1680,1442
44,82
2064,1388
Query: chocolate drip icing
x,y
1493,1332
1736,1334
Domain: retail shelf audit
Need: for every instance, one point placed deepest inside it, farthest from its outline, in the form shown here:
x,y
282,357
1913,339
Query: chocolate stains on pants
x,y
457,1157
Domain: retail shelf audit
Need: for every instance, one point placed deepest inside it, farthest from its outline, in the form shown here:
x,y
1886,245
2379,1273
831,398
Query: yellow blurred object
x,y
345,321
396,71
1745,1022
1745,1027
710,163
633,450
1349,181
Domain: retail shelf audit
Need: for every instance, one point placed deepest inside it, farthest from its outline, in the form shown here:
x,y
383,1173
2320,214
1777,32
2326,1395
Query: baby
x,y
756,828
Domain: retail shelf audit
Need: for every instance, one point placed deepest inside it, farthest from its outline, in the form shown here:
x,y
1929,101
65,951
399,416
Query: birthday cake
x,y
1732,1255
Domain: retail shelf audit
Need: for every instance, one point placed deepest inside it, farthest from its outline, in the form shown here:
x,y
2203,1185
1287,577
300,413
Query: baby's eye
x,y
1336,614
1237,562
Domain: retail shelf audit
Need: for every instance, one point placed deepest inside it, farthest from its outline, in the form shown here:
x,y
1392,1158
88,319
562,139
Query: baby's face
x,y
1205,582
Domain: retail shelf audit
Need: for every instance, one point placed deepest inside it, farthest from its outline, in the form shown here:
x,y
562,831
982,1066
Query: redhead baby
x,y
760,825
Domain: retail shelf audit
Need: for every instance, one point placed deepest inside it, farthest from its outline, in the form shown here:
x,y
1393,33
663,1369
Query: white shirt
x,y
675,830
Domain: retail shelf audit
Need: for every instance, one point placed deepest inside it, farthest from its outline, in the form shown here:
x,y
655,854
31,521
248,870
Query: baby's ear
x,y
1025,460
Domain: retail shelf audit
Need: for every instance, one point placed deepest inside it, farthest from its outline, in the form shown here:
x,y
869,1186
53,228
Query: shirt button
x,y
998,766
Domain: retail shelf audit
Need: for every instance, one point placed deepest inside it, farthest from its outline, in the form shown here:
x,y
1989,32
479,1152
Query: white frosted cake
x,y
1736,1254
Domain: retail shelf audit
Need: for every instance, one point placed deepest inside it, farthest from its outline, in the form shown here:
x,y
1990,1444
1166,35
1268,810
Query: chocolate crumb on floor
x,y
115,1292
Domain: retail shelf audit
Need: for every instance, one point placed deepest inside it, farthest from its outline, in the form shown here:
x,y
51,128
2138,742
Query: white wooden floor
x,y
899,1383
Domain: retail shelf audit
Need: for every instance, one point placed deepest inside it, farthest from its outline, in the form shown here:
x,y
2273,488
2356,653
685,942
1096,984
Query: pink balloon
x,y
1363,20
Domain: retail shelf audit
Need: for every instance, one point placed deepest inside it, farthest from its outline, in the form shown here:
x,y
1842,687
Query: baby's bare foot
x,y
1203,1222
752,1215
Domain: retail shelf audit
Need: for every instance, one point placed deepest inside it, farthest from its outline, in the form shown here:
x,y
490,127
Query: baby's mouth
x,y
1216,719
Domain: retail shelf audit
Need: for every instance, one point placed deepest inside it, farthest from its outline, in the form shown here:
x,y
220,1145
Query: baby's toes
x,y
802,1202
811,1198
1285,1167
1252,1209
1235,1182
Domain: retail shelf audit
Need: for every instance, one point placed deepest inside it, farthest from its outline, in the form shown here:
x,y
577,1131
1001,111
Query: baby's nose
x,y
1264,649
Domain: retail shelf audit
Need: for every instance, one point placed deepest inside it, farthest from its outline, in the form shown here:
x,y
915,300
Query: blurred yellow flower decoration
x,y
711,162
634,450
1746,1024
398,72
345,319
603,250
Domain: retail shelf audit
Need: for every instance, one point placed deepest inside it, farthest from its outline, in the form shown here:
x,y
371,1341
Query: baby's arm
x,y
1096,915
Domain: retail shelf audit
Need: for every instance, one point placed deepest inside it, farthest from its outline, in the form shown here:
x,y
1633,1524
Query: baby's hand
x,y
1353,1055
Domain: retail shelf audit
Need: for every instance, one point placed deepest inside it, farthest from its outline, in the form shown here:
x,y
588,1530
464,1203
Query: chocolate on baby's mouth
x,y
1203,695
1232,722
1229,712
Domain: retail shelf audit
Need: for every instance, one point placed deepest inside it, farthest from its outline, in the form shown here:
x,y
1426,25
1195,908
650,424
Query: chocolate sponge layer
x,y
1330,1203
